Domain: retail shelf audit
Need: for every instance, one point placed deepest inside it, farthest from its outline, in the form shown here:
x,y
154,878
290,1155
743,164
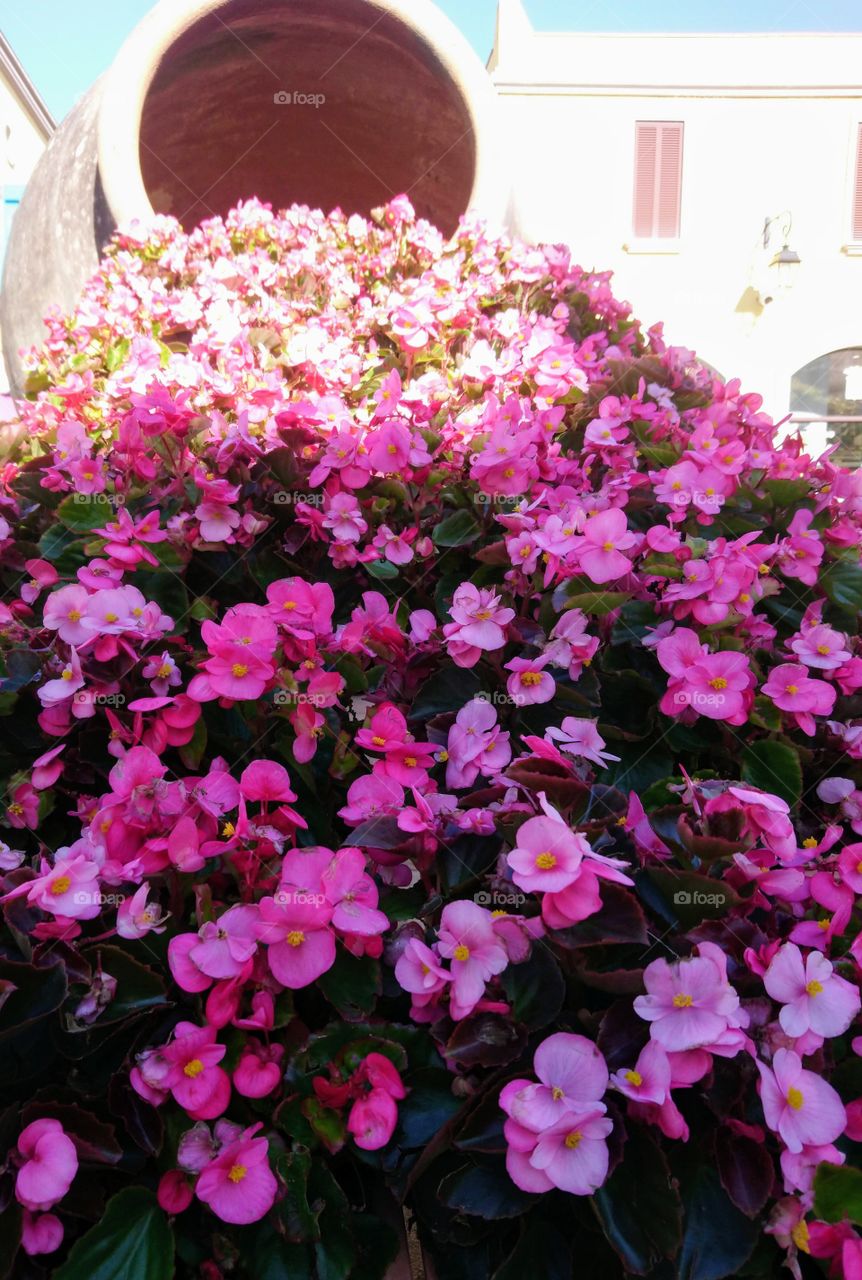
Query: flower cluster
x,y
412,670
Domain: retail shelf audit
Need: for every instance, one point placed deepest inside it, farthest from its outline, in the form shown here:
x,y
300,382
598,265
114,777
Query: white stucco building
x,y
662,157
25,127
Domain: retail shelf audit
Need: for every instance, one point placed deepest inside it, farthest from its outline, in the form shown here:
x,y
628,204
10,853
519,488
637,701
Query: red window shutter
x,y
658,179
856,213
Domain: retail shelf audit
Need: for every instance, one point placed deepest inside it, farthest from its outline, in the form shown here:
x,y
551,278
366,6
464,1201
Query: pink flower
x,y
689,1002
258,1071
821,647
582,739
573,1077
372,1119
573,1154
63,612
792,689
238,1185
547,856
193,1075
295,928
467,939
69,889
476,744
40,1233
813,996
649,1080
49,1164
353,895
529,683
478,624
606,537
224,946
136,917
800,1106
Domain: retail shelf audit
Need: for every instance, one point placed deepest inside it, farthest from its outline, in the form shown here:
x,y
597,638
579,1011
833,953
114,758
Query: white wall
x,y
770,125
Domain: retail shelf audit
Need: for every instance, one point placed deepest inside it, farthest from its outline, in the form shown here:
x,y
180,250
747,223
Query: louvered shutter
x,y
658,179
856,212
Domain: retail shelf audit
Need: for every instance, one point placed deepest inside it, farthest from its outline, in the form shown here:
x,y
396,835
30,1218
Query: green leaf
x,y
639,1207
456,530
352,985
447,690
620,920
842,583
598,603
542,1251
690,897
383,570
535,988
83,512
485,1190
774,767
131,1242
718,1238
838,1193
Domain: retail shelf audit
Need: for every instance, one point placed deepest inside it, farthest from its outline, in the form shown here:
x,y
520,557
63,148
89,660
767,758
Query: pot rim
x,y
129,77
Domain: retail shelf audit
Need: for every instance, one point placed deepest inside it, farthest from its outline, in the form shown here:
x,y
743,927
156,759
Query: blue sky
x,y
64,46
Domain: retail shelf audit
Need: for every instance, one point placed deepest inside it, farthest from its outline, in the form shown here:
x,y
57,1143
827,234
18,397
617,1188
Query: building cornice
x,y
27,92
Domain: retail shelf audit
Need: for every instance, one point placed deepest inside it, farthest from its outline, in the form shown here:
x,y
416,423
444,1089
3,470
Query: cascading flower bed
x,y
432,772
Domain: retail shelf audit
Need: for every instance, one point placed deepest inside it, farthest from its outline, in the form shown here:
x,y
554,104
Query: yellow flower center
x,y
237,1172
824,923
66,675
228,829
239,669
74,615
378,741
295,938
635,1078
573,1139
795,1098
289,604
461,952
530,678
557,1093
16,809
606,546
718,682
799,1236
809,843
793,688
814,987
61,885
410,761
193,1068
545,861
823,649
483,615
110,617
164,671
682,1001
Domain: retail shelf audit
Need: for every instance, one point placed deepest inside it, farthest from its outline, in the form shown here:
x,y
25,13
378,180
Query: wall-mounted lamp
x,y
784,261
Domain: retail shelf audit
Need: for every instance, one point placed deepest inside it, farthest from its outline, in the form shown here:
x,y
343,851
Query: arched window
x,y
826,395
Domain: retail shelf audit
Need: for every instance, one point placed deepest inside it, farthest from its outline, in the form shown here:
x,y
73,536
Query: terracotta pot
x,y
324,102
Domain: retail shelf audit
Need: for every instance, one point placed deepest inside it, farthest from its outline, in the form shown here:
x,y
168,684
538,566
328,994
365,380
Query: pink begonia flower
x,y
582,739
23,807
600,551
223,946
136,917
40,1233
69,889
478,624
689,1003
63,612
372,1119
813,996
569,645
193,1076
801,552
799,1105
843,791
47,768
295,929
238,1185
476,744
573,1077
174,1192
353,895
792,689
547,856
573,1154
821,646
66,685
529,683
258,1071
49,1164
649,1079
466,938
419,971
